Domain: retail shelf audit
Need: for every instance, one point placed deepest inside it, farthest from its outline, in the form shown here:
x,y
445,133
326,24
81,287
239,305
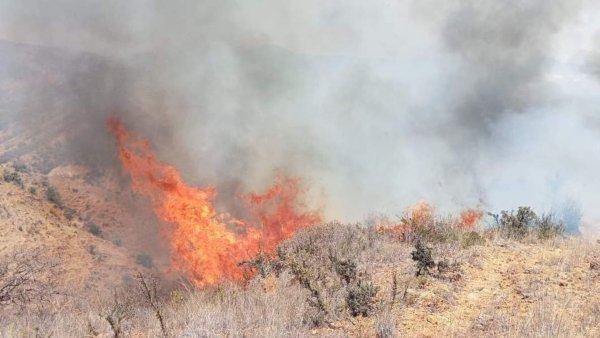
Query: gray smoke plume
x,y
377,104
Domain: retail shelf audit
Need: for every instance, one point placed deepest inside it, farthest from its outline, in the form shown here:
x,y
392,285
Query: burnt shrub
x,y
360,298
54,196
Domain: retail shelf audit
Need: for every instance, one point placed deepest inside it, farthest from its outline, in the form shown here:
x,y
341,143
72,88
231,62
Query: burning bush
x,y
206,244
421,223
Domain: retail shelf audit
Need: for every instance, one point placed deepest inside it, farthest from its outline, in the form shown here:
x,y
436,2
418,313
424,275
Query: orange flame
x,y
470,218
422,217
204,243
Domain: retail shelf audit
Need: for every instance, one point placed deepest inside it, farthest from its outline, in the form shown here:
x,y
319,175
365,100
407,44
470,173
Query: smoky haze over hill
x,y
377,104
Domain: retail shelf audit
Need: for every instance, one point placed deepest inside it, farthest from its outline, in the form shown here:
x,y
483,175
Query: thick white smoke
x,y
376,103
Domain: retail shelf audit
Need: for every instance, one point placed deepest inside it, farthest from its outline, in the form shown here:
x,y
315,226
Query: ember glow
x,y
206,244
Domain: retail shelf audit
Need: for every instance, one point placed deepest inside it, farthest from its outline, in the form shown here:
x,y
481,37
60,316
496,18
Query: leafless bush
x,y
385,325
26,278
120,310
149,290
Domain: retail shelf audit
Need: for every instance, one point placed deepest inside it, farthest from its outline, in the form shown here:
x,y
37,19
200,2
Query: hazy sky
x,y
377,103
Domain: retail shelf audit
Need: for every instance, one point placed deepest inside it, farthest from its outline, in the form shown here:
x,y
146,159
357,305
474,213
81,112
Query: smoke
x,y
377,104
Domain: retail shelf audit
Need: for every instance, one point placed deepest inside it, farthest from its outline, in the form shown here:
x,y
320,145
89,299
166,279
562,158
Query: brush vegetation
x,y
343,280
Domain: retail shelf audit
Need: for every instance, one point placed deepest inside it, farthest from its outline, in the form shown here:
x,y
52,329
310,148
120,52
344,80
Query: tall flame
x,y
206,244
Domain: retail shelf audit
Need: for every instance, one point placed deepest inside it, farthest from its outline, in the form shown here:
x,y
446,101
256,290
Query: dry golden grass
x,y
504,288
497,288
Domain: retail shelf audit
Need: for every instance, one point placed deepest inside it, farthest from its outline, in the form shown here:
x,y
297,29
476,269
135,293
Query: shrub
x,y
548,227
22,168
420,223
145,261
70,213
263,264
422,256
360,298
385,326
517,225
525,220
13,177
472,238
94,229
32,190
54,196
345,268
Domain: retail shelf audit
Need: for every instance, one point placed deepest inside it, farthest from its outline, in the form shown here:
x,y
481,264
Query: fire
x,y
422,218
206,244
470,218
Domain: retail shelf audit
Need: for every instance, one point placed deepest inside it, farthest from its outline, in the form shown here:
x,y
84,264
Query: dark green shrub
x,y
54,196
94,229
145,261
14,177
360,298
422,256
443,266
345,268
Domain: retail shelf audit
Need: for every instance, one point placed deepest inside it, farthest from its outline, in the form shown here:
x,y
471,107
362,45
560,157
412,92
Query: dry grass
x,y
497,287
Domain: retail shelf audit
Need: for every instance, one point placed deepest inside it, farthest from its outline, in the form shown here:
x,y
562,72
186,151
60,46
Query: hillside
x,y
82,255
491,286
